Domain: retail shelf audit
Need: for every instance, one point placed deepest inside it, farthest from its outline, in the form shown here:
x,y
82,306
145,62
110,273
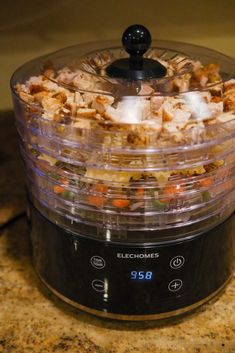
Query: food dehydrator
x,y
129,153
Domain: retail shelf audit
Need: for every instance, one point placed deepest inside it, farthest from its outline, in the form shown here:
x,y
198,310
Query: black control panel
x,y
131,279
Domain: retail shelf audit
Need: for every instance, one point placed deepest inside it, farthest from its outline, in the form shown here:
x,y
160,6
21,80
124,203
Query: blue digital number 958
x,y
142,275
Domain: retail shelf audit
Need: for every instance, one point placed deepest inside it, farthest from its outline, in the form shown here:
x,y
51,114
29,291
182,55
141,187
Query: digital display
x,y
142,275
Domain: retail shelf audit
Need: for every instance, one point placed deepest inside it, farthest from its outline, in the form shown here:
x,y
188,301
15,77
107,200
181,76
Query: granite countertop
x,y
33,320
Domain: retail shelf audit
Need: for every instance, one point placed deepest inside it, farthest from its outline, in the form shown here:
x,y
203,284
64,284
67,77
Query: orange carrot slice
x,y
96,201
58,189
206,182
101,188
140,192
121,203
171,190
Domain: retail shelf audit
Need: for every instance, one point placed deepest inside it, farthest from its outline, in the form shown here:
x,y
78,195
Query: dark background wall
x,y
30,28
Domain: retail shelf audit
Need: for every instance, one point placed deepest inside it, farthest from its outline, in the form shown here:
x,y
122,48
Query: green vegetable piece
x,y
55,176
68,195
159,205
206,196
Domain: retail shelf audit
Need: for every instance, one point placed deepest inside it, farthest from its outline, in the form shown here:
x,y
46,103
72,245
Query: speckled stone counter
x,y
33,320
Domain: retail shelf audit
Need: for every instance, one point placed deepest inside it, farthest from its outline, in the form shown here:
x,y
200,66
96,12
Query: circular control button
x,y
177,262
175,285
98,285
97,262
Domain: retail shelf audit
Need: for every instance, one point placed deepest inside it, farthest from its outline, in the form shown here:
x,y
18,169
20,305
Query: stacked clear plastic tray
x,y
120,179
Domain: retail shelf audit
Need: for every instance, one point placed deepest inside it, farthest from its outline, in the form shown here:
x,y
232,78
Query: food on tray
x,y
177,111
181,115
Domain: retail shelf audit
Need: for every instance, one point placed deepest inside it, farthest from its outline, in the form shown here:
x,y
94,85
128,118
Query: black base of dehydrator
x,y
132,281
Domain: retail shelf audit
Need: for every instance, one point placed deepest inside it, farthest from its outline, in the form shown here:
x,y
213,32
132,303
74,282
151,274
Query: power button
x,y
177,262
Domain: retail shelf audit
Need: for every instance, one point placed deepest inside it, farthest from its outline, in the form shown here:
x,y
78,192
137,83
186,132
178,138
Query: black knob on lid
x,y
136,40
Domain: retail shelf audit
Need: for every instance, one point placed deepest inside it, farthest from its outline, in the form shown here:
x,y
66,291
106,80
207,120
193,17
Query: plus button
x,y
175,285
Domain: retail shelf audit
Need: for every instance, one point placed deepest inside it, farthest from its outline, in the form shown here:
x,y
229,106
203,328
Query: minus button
x,y
98,285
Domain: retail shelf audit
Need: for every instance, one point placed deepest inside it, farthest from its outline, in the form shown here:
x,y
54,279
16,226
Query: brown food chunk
x,y
61,97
